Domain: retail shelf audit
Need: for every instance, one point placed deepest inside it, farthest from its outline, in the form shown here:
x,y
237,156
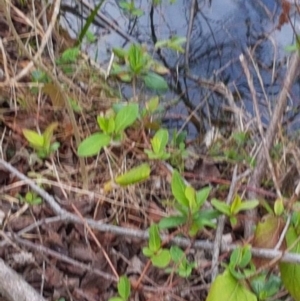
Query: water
x,y
222,30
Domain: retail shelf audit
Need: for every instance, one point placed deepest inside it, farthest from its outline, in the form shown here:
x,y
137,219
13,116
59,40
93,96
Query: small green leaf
x,y
152,104
160,140
48,133
154,238
120,52
36,140
136,58
226,287
246,257
107,125
278,207
70,55
134,175
235,206
155,82
147,252
126,117
124,287
171,222
190,194
161,259
202,195
93,144
178,189
221,206
177,254
248,205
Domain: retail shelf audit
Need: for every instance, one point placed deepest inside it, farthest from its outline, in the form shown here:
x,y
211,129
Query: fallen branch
x,y
98,225
14,288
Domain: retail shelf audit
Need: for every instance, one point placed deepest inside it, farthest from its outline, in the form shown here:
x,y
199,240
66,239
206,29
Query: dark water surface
x,y
222,30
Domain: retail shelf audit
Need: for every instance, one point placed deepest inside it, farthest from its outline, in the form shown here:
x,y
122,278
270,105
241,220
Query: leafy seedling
x,y
189,203
174,43
159,143
41,143
236,207
124,290
265,286
138,64
182,266
31,198
159,256
112,127
130,8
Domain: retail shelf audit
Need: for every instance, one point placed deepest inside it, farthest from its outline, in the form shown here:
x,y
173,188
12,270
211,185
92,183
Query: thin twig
x,y
183,242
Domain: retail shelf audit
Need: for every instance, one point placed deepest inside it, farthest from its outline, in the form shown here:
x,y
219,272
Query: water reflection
x,y
221,31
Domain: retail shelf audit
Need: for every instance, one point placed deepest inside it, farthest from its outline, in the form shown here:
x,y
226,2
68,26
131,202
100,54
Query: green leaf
x,y
136,59
237,201
154,238
178,189
190,194
147,252
126,117
171,222
155,82
202,195
124,287
107,125
93,144
290,272
248,205
152,104
227,288
70,55
161,259
160,140
120,53
48,133
134,175
177,254
221,206
36,140
246,257
278,207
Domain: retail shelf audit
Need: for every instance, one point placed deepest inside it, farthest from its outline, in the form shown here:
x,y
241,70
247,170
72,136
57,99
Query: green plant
x,y
159,143
234,208
182,266
136,63
173,43
31,198
130,8
231,285
265,286
189,203
177,150
112,127
124,290
159,256
42,142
